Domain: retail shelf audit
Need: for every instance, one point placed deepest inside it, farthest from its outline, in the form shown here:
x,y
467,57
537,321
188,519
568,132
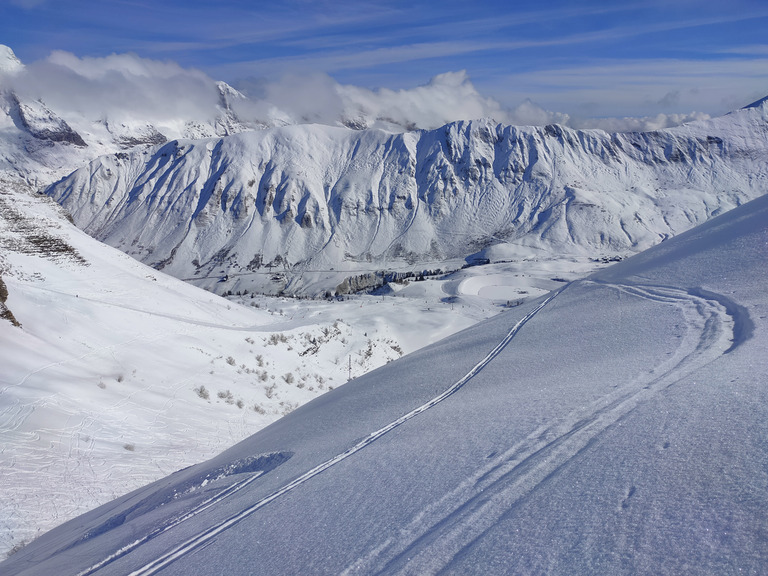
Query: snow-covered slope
x,y
297,209
616,426
113,374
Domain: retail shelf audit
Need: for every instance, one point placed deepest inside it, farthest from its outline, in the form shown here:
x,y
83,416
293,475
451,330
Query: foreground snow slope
x,y
113,375
616,426
300,208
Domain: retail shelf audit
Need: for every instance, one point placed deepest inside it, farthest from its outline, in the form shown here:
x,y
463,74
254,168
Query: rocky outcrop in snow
x,y
42,123
299,208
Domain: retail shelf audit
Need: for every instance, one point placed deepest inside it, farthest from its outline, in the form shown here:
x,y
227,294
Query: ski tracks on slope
x,y
203,538
441,531
451,524
202,507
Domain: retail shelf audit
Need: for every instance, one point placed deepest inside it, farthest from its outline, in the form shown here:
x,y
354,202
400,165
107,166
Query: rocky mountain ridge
x,y
298,209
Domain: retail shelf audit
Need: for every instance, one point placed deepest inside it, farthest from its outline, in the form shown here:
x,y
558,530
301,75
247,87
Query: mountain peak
x,y
8,60
757,103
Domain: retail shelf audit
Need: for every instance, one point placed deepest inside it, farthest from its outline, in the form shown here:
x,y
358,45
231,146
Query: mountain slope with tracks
x,y
614,426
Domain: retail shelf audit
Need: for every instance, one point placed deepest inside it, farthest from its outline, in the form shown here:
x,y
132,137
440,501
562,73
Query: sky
x,y
565,59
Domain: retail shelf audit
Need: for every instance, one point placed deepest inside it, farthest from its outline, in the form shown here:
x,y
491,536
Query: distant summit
x,y
757,103
8,60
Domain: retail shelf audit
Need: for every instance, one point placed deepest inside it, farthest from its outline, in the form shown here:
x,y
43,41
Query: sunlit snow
x,y
616,425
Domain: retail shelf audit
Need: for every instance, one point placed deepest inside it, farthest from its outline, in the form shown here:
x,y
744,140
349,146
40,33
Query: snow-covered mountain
x,y
616,426
40,143
297,209
115,374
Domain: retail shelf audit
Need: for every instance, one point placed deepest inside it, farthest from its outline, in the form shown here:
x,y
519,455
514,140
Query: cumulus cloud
x,y
447,97
319,98
641,124
126,87
117,87
531,114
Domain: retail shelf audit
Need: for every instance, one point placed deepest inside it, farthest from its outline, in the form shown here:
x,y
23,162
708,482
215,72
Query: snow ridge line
x,y
228,491
207,535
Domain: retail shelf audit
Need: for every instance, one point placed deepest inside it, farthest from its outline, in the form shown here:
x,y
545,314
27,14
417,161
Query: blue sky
x,y
587,58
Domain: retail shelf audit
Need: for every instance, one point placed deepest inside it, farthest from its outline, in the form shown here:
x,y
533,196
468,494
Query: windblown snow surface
x,y
617,425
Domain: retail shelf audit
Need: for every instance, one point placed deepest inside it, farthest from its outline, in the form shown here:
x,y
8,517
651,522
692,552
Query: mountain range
x,y
301,209
307,209
609,421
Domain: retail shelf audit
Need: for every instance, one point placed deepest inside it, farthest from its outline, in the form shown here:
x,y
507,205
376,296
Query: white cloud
x,y
531,114
124,87
117,87
446,97
642,124
319,98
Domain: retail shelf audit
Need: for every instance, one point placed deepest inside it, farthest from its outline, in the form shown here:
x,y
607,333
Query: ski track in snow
x,y
225,493
443,530
202,538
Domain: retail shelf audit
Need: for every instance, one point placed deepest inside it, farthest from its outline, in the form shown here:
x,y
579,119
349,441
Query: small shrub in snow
x,y
240,404
258,409
275,338
226,396
288,377
231,361
129,447
202,392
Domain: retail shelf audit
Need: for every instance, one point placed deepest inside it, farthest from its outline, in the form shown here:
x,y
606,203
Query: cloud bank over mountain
x,y
126,87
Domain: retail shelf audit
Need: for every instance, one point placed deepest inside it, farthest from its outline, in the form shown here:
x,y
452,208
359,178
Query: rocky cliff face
x,y
298,208
40,122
